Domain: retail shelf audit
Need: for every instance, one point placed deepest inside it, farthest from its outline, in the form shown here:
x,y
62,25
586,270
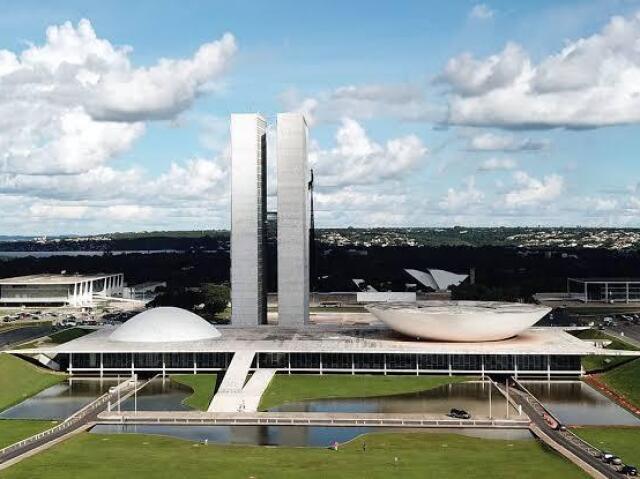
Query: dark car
x,y
459,414
560,427
629,470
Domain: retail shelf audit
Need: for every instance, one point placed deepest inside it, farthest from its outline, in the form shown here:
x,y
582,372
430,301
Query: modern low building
x,y
437,279
604,290
59,289
168,340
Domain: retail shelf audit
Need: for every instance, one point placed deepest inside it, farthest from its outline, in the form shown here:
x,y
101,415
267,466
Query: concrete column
x,y
515,366
417,365
101,366
385,364
133,366
627,293
320,364
289,363
606,292
353,364
70,364
586,298
74,301
450,370
195,364
548,368
164,366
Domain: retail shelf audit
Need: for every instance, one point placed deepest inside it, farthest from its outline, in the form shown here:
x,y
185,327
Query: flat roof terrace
x,y
335,339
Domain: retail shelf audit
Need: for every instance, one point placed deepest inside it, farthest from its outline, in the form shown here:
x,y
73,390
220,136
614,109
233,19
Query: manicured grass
x,y
420,455
202,385
625,380
597,363
300,387
67,335
14,430
20,380
621,441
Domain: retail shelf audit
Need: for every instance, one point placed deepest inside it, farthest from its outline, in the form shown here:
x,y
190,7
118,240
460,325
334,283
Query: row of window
x,y
457,362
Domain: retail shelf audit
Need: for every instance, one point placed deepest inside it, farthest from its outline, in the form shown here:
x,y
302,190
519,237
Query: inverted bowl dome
x,y
461,321
165,324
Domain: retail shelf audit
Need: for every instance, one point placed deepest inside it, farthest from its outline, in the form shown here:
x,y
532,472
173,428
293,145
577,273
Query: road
x,y
82,420
21,335
566,439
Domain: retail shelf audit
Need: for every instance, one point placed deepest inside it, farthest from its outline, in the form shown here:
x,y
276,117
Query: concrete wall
x,y
293,220
248,217
385,297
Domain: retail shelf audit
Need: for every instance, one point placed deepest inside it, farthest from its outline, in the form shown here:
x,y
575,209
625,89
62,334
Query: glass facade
x,y
326,362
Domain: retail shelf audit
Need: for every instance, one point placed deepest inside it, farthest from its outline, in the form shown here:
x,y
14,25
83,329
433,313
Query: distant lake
x,y
47,254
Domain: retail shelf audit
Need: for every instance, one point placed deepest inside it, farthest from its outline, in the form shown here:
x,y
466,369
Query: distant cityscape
x,y
533,237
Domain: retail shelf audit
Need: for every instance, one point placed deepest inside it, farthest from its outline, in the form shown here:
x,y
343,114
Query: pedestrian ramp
x,y
231,395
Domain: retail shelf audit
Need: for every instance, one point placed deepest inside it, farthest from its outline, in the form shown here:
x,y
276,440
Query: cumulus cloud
x,y
357,159
73,103
494,142
403,101
591,82
481,11
460,199
532,191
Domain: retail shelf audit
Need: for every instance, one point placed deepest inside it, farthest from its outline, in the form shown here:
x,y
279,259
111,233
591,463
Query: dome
x,y
166,324
466,321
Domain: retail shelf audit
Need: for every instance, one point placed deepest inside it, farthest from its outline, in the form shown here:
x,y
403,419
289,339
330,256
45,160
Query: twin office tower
x,y
249,220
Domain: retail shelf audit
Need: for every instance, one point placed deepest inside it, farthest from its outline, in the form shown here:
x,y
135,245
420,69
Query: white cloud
x,y
462,199
73,103
497,164
404,101
481,11
530,191
357,159
494,142
591,82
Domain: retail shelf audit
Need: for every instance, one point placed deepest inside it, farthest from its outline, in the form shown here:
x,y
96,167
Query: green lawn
x,y
420,455
20,380
622,441
597,363
300,387
202,386
14,430
625,380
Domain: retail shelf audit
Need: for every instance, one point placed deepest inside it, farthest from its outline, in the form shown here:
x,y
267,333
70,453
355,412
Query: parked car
x,y
560,427
459,414
629,470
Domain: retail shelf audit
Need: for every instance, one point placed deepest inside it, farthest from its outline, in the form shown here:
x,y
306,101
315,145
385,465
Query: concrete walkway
x,y
255,388
229,397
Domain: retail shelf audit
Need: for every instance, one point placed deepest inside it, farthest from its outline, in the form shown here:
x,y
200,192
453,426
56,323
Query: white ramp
x,y
228,398
254,389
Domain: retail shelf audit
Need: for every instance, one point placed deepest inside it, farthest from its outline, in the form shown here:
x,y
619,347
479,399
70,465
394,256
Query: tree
x,y
215,297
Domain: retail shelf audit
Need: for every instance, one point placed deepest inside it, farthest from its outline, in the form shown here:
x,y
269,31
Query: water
x,y
59,401
473,397
298,436
577,403
160,395
47,254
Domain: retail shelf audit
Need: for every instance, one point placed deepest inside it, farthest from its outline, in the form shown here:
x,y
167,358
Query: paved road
x,y
81,420
566,439
21,335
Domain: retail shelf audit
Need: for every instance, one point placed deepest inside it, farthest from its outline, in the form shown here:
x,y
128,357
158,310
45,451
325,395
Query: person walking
x,y
364,446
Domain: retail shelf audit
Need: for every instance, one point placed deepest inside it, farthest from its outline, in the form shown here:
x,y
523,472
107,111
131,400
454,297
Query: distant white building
x,y
437,279
59,289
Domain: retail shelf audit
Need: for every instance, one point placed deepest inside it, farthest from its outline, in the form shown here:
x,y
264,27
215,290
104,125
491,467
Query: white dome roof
x,y
166,324
465,321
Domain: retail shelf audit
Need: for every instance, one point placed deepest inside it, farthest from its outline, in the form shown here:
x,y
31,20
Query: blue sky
x,y
115,114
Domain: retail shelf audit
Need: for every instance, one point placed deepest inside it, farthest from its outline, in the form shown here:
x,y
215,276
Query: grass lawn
x,y
14,430
20,380
622,441
420,455
596,363
625,380
202,385
300,387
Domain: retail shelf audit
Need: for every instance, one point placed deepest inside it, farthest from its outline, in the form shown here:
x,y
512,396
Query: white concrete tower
x,y
248,219
293,220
